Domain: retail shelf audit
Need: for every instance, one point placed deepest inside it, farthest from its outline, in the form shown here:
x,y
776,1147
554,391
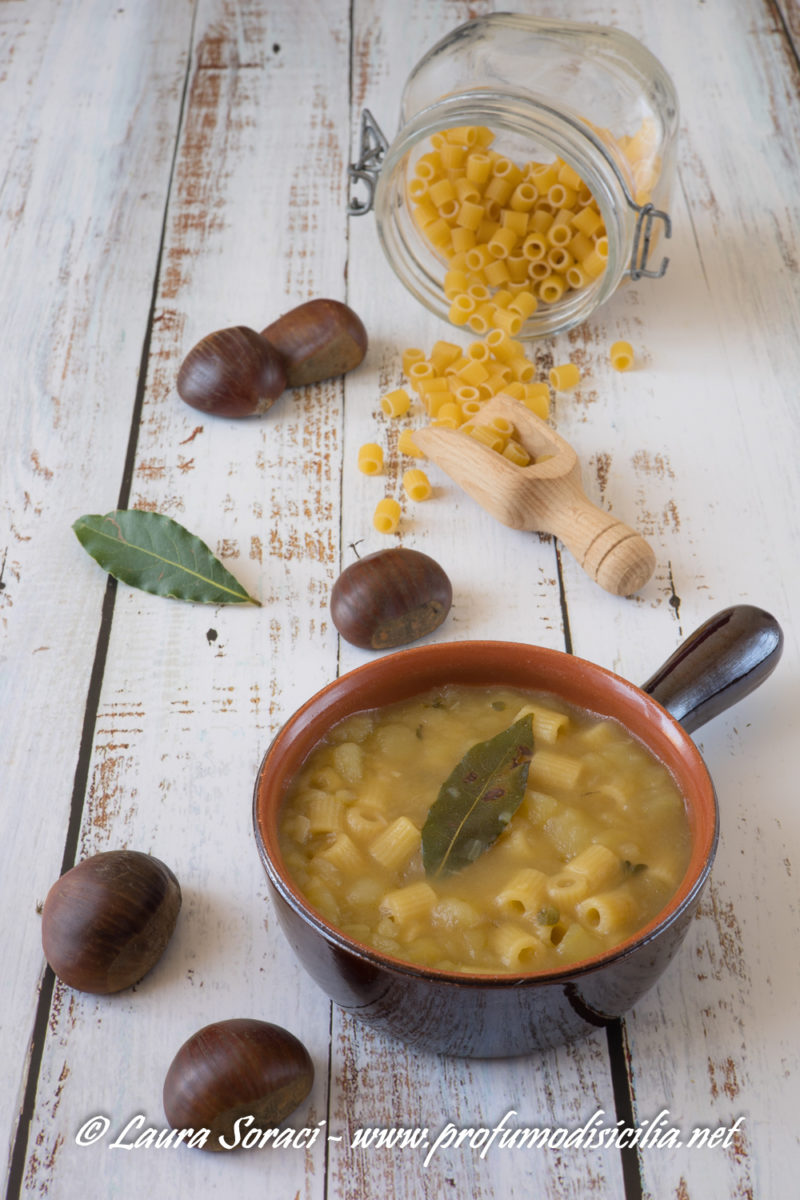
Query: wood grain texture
x,y
173,169
735,401
508,583
180,683
72,333
708,336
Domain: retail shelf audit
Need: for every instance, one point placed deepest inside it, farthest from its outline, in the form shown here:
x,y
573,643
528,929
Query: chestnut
x,y
232,373
318,340
108,919
390,598
232,1070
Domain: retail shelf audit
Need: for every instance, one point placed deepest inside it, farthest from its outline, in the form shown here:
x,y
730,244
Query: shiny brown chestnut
x,y
500,1015
390,598
108,919
232,373
234,1078
318,340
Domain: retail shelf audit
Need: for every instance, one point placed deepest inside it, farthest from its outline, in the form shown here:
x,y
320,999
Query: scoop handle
x,y
718,665
613,554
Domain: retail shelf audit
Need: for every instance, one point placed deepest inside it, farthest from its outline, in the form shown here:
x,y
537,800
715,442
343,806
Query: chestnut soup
x,y
597,844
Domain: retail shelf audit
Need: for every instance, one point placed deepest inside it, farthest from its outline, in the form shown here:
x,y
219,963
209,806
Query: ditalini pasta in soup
x,y
595,848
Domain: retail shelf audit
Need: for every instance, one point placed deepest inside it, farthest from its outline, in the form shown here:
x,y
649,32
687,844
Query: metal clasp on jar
x,y
372,149
642,237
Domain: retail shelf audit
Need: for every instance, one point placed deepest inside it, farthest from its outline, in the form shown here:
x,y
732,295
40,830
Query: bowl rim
x,y
684,898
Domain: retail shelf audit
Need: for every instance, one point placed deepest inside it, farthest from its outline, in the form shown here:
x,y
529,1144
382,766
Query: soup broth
x,y
596,848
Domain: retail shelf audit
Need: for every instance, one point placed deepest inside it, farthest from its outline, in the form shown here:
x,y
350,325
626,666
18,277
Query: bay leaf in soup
x,y
156,554
477,800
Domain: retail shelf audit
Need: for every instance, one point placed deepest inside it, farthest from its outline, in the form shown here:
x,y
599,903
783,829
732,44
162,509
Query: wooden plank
x,y
506,586
71,336
384,1086
644,469
713,435
191,696
743,210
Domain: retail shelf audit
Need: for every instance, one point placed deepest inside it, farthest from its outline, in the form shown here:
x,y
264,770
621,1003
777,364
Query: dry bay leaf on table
x,y
153,552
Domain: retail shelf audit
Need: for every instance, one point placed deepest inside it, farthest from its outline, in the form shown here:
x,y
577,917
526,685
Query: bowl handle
x,y
723,660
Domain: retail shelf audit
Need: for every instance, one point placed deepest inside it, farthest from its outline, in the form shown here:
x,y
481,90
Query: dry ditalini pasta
x,y
513,235
452,383
387,515
565,376
416,484
621,355
370,458
395,403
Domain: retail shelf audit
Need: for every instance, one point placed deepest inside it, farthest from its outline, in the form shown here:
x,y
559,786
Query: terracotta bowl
x,y
500,1015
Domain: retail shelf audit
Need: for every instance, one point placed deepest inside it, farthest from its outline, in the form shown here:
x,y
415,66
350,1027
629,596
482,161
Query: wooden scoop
x,y
545,497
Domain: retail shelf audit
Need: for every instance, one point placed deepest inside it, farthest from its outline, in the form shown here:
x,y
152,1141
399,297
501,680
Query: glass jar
x,y
581,108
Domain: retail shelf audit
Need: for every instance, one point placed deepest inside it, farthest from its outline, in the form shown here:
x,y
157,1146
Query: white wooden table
x,y
170,169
